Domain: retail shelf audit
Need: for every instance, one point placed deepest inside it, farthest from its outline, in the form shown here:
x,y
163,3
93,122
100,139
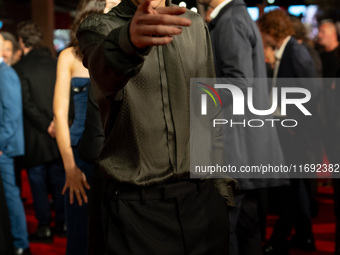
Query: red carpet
x,y
323,225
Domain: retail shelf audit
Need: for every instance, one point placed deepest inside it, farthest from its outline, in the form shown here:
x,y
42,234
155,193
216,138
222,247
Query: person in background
x,y
239,58
90,146
328,40
11,145
12,54
37,71
12,51
330,56
292,60
301,36
72,75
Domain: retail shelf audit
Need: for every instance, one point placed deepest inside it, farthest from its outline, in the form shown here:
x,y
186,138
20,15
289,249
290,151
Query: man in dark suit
x,y
239,58
11,145
37,71
298,143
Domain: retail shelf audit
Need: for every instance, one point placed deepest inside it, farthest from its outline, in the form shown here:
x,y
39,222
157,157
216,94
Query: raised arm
x,y
114,50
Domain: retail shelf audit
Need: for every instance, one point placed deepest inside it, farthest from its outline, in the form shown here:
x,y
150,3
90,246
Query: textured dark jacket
x,y
37,72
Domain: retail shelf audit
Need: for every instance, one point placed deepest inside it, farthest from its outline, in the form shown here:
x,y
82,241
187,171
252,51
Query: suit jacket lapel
x,y
284,58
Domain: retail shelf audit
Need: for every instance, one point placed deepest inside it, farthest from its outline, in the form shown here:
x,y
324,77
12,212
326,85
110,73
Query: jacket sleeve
x,y
108,53
10,101
225,185
235,56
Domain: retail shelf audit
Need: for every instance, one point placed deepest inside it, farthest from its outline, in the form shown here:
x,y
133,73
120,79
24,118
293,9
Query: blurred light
x,y
253,12
297,10
61,39
1,24
271,1
311,11
270,8
182,4
194,9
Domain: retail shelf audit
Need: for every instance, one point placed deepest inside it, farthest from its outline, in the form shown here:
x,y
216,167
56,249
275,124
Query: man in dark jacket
x,y
298,143
239,60
37,71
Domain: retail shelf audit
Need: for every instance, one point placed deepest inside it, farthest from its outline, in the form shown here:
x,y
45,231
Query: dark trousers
x,y
37,177
293,213
6,242
245,231
294,199
182,218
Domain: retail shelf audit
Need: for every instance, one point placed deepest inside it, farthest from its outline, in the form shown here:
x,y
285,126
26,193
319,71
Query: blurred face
x,y
8,52
269,47
157,3
326,34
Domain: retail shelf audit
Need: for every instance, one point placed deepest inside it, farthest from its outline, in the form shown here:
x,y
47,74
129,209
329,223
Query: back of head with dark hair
x,y
30,33
85,8
299,28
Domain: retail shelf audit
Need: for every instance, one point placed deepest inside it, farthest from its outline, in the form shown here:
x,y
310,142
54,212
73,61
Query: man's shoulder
x,y
38,60
100,23
196,19
7,73
297,49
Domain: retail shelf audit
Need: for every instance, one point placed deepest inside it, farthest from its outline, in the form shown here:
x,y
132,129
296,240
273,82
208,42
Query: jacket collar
x,y
214,22
3,64
287,50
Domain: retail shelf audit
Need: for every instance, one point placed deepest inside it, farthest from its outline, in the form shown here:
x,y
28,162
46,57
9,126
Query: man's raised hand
x,y
151,27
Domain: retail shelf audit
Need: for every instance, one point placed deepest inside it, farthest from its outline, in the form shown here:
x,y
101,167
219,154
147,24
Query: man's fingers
x,y
163,19
153,41
172,10
158,30
144,6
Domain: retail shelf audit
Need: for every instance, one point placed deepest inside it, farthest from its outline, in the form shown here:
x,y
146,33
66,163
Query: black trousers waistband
x,y
159,192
